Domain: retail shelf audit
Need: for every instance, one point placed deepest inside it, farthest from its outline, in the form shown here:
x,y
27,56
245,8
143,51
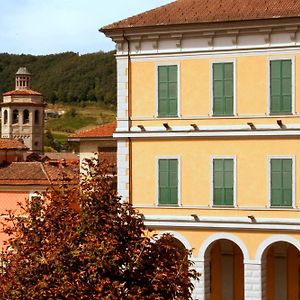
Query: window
x,y
223,88
25,116
223,181
109,156
281,171
168,181
167,91
36,117
5,117
15,118
281,86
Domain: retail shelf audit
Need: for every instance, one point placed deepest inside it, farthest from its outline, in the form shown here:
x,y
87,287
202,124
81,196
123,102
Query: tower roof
x,y
23,71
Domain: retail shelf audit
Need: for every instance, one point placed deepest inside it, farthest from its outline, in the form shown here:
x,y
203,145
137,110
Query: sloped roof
x,y
11,144
104,131
22,92
23,71
33,173
67,156
210,11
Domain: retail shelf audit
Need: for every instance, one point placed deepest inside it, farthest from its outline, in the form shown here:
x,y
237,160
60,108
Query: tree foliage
x,y
65,77
94,247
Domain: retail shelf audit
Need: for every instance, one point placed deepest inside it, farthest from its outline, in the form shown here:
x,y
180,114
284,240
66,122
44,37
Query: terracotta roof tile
x,y
22,92
67,156
210,11
106,130
11,144
32,173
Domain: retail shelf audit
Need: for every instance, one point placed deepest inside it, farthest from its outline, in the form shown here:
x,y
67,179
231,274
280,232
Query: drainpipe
x,y
129,100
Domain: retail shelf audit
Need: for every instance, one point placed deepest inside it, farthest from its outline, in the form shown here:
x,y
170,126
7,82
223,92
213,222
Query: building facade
x,y
22,113
96,143
208,127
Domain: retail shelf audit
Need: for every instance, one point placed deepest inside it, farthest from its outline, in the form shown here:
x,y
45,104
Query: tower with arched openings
x,y
22,112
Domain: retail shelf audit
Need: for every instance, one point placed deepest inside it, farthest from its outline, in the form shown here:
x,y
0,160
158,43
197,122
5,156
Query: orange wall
x,y
9,201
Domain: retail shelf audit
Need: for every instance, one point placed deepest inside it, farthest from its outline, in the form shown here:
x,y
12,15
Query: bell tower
x,y
22,112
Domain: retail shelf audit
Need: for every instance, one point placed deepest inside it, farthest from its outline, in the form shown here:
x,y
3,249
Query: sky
x,y
41,27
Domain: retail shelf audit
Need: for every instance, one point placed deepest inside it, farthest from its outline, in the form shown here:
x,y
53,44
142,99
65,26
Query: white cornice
x,y
209,131
207,37
237,223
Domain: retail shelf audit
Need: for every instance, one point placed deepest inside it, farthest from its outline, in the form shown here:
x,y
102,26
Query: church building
x,y
22,112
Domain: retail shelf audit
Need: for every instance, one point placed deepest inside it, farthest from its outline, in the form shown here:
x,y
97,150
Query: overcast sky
x,y
52,26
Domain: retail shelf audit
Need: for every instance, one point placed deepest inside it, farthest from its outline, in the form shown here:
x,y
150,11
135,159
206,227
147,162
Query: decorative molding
x,y
220,236
208,133
224,225
274,239
177,236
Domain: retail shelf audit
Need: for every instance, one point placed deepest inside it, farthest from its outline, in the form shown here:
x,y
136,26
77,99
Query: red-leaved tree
x,y
83,243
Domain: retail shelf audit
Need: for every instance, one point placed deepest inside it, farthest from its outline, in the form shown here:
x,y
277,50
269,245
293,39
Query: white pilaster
x,y
253,281
198,293
123,169
122,94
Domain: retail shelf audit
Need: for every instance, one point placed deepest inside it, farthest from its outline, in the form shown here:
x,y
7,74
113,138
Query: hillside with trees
x,y
65,77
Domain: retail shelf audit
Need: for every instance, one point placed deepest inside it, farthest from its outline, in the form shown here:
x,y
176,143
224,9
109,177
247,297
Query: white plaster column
x,y
122,126
253,280
199,286
123,169
122,94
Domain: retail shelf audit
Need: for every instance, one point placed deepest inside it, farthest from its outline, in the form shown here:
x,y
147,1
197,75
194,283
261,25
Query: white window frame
x,y
292,58
179,204
212,180
293,158
212,62
178,90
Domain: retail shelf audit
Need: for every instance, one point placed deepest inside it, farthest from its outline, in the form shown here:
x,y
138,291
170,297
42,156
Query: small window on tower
x,y
5,117
15,118
25,116
36,117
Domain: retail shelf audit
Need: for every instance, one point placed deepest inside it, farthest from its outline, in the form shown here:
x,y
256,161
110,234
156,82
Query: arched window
x,y
15,118
36,117
25,116
5,117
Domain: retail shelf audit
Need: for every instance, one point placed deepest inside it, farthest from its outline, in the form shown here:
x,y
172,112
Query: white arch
x,y
274,239
179,237
222,236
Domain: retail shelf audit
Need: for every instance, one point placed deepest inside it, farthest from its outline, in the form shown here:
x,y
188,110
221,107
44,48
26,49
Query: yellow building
x,y
208,128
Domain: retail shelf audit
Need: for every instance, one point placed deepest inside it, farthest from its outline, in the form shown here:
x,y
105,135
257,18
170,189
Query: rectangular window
x,y
281,182
223,89
223,182
168,181
167,91
109,155
281,86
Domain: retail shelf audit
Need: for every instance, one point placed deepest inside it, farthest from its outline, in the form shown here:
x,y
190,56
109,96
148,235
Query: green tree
x,y
84,243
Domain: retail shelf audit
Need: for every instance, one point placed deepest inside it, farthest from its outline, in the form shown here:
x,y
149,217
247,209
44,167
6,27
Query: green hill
x,y
65,77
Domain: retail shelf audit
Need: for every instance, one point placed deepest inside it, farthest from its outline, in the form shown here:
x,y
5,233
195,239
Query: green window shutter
x,y
168,181
167,91
223,181
281,182
281,86
223,88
